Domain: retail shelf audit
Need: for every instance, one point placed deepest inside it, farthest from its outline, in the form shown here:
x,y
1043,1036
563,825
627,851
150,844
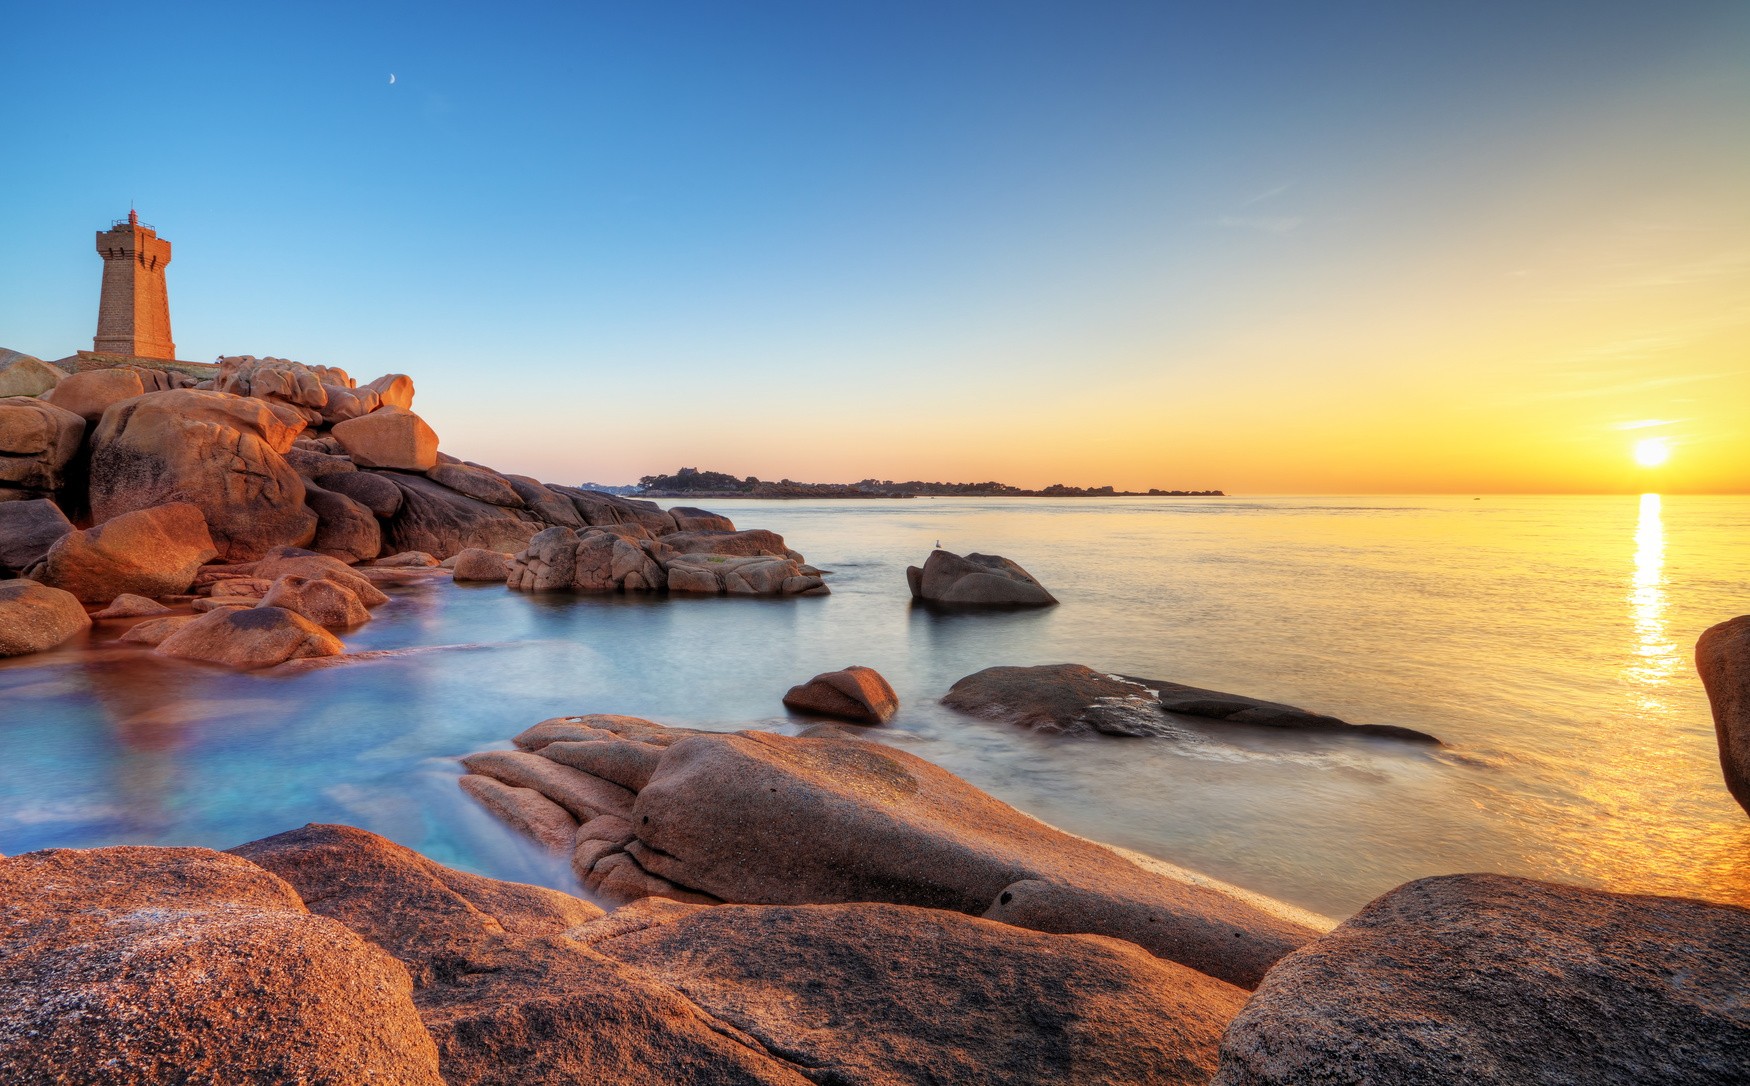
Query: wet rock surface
x,y
1492,979
1075,699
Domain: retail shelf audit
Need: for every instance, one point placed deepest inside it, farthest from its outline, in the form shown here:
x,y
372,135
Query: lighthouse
x,y
133,314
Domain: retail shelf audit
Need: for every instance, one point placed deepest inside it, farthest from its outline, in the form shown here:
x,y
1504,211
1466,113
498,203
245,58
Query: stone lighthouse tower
x,y
133,316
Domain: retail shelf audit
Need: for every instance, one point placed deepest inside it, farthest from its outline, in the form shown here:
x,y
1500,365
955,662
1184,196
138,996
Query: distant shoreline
x,y
736,495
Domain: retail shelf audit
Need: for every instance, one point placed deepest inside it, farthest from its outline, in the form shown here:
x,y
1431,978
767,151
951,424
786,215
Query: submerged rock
x,y
1491,979
1722,656
855,693
976,580
148,552
179,965
763,818
35,617
1071,698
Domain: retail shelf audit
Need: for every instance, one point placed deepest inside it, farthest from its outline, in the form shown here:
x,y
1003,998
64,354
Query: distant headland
x,y
693,483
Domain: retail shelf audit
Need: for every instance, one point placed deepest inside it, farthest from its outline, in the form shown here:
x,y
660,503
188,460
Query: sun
x,y
1652,452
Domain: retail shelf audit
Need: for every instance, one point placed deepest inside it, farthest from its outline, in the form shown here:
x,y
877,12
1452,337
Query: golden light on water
x,y
1655,655
1650,453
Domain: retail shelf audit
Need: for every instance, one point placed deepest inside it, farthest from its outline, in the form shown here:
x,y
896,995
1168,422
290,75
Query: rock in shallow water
x,y
1071,698
756,817
1491,979
854,693
35,617
1722,656
975,580
180,965
250,637
149,552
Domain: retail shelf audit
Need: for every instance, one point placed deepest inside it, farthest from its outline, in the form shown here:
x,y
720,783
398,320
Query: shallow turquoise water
x,y
1547,640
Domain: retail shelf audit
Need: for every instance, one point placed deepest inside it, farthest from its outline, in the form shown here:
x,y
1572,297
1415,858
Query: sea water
x,y
1546,640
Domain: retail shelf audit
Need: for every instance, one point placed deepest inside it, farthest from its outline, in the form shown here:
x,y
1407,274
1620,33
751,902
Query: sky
x,y
1337,247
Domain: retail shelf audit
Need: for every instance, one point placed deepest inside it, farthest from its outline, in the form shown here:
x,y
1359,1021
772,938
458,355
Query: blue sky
x,y
1110,243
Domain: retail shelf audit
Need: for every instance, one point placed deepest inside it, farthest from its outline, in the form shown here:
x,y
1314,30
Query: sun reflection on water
x,y
1655,658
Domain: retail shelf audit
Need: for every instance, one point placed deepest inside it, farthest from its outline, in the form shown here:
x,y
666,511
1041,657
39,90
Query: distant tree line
x,y
689,482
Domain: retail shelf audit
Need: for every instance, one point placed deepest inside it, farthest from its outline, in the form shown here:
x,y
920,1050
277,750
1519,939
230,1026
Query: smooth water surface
x,y
1548,641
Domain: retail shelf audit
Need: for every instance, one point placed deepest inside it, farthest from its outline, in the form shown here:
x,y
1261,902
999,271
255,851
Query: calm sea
x,y
1547,640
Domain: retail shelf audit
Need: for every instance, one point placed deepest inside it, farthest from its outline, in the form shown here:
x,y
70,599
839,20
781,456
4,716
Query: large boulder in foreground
x,y
28,529
148,552
253,637
975,580
505,995
958,999
755,817
389,437
1722,656
223,453
180,965
35,617
37,441
1491,979
855,693
520,984
1074,699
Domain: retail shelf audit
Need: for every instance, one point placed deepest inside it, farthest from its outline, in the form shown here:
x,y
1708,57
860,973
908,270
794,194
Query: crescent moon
x,y
391,78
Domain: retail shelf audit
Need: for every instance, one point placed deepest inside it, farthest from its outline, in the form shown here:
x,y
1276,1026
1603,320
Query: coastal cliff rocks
x,y
516,983
1490,979
1074,699
27,530
35,617
91,393
222,453
975,580
149,552
606,510
858,694
25,375
390,437
345,529
374,492
602,560
688,518
433,518
37,442
750,575
1722,656
248,637
481,484
753,817
177,965
393,390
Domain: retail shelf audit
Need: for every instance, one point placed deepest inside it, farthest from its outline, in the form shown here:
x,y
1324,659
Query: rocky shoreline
x,y
766,908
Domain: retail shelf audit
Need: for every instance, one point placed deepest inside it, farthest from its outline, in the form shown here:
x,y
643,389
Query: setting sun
x,y
1652,452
